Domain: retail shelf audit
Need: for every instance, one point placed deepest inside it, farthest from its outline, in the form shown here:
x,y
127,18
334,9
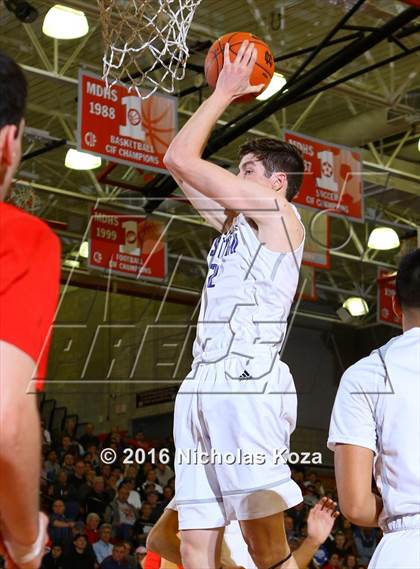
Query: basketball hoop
x,y
24,197
142,37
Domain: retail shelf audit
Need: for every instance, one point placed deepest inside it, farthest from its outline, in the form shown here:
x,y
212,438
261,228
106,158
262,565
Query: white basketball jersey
x,y
377,407
247,294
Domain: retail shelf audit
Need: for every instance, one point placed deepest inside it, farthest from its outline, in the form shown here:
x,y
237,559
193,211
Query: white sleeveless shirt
x,y
247,294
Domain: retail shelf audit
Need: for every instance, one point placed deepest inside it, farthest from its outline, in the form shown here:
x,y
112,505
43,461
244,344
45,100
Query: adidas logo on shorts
x,y
245,375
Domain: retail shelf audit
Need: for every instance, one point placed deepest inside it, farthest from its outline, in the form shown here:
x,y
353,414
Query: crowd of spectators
x,y
348,546
100,514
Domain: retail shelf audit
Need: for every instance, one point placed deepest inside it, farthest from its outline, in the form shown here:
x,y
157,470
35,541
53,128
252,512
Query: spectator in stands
x,y
66,448
310,478
52,467
92,532
333,562
94,459
144,523
152,498
117,472
106,470
106,440
168,494
103,547
68,464
365,540
311,497
297,476
54,559
111,487
151,483
163,474
134,496
121,514
59,528
319,488
97,499
45,435
141,442
116,560
289,528
131,471
129,558
88,438
350,562
79,528
298,513
348,534
87,486
171,483
140,555
80,555
340,546
146,467
66,488
77,478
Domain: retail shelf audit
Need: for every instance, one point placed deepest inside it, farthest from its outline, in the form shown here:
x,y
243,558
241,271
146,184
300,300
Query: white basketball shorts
x,y
400,546
232,426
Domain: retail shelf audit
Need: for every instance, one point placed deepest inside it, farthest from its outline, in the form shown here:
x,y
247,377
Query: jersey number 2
x,y
215,269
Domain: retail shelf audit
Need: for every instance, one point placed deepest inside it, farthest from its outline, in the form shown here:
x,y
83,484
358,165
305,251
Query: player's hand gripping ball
x,y
252,68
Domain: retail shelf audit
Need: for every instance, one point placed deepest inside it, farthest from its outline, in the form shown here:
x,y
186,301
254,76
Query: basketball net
x,y
24,197
146,41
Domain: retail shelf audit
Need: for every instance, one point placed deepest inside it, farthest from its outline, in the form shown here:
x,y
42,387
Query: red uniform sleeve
x,y
29,284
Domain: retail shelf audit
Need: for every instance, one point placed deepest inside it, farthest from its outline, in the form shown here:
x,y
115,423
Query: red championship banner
x,y
116,124
127,244
317,240
332,180
386,292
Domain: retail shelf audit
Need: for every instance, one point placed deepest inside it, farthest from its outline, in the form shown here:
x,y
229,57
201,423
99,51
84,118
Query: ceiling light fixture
x,y
71,263
383,239
23,11
84,249
64,23
277,82
356,306
76,160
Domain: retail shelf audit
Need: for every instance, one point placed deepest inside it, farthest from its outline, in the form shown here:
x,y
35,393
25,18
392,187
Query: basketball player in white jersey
x,y
163,538
375,426
236,409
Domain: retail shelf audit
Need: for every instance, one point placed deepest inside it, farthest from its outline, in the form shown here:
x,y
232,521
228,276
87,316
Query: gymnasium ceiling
x,y
378,111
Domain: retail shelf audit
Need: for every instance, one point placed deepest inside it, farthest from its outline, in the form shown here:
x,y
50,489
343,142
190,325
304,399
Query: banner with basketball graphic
x,y
386,292
127,244
333,177
117,125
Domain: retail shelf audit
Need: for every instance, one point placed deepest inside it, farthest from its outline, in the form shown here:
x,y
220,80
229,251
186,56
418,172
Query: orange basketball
x,y
263,69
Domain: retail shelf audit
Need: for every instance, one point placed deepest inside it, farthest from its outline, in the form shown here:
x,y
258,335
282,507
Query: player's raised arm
x,y
183,158
208,209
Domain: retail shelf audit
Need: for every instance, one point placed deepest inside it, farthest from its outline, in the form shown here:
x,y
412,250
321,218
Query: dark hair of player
x,y
13,91
408,280
277,156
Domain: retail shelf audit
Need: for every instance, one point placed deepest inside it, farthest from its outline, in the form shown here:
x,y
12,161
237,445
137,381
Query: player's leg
x,y
258,414
201,548
267,543
201,513
163,537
